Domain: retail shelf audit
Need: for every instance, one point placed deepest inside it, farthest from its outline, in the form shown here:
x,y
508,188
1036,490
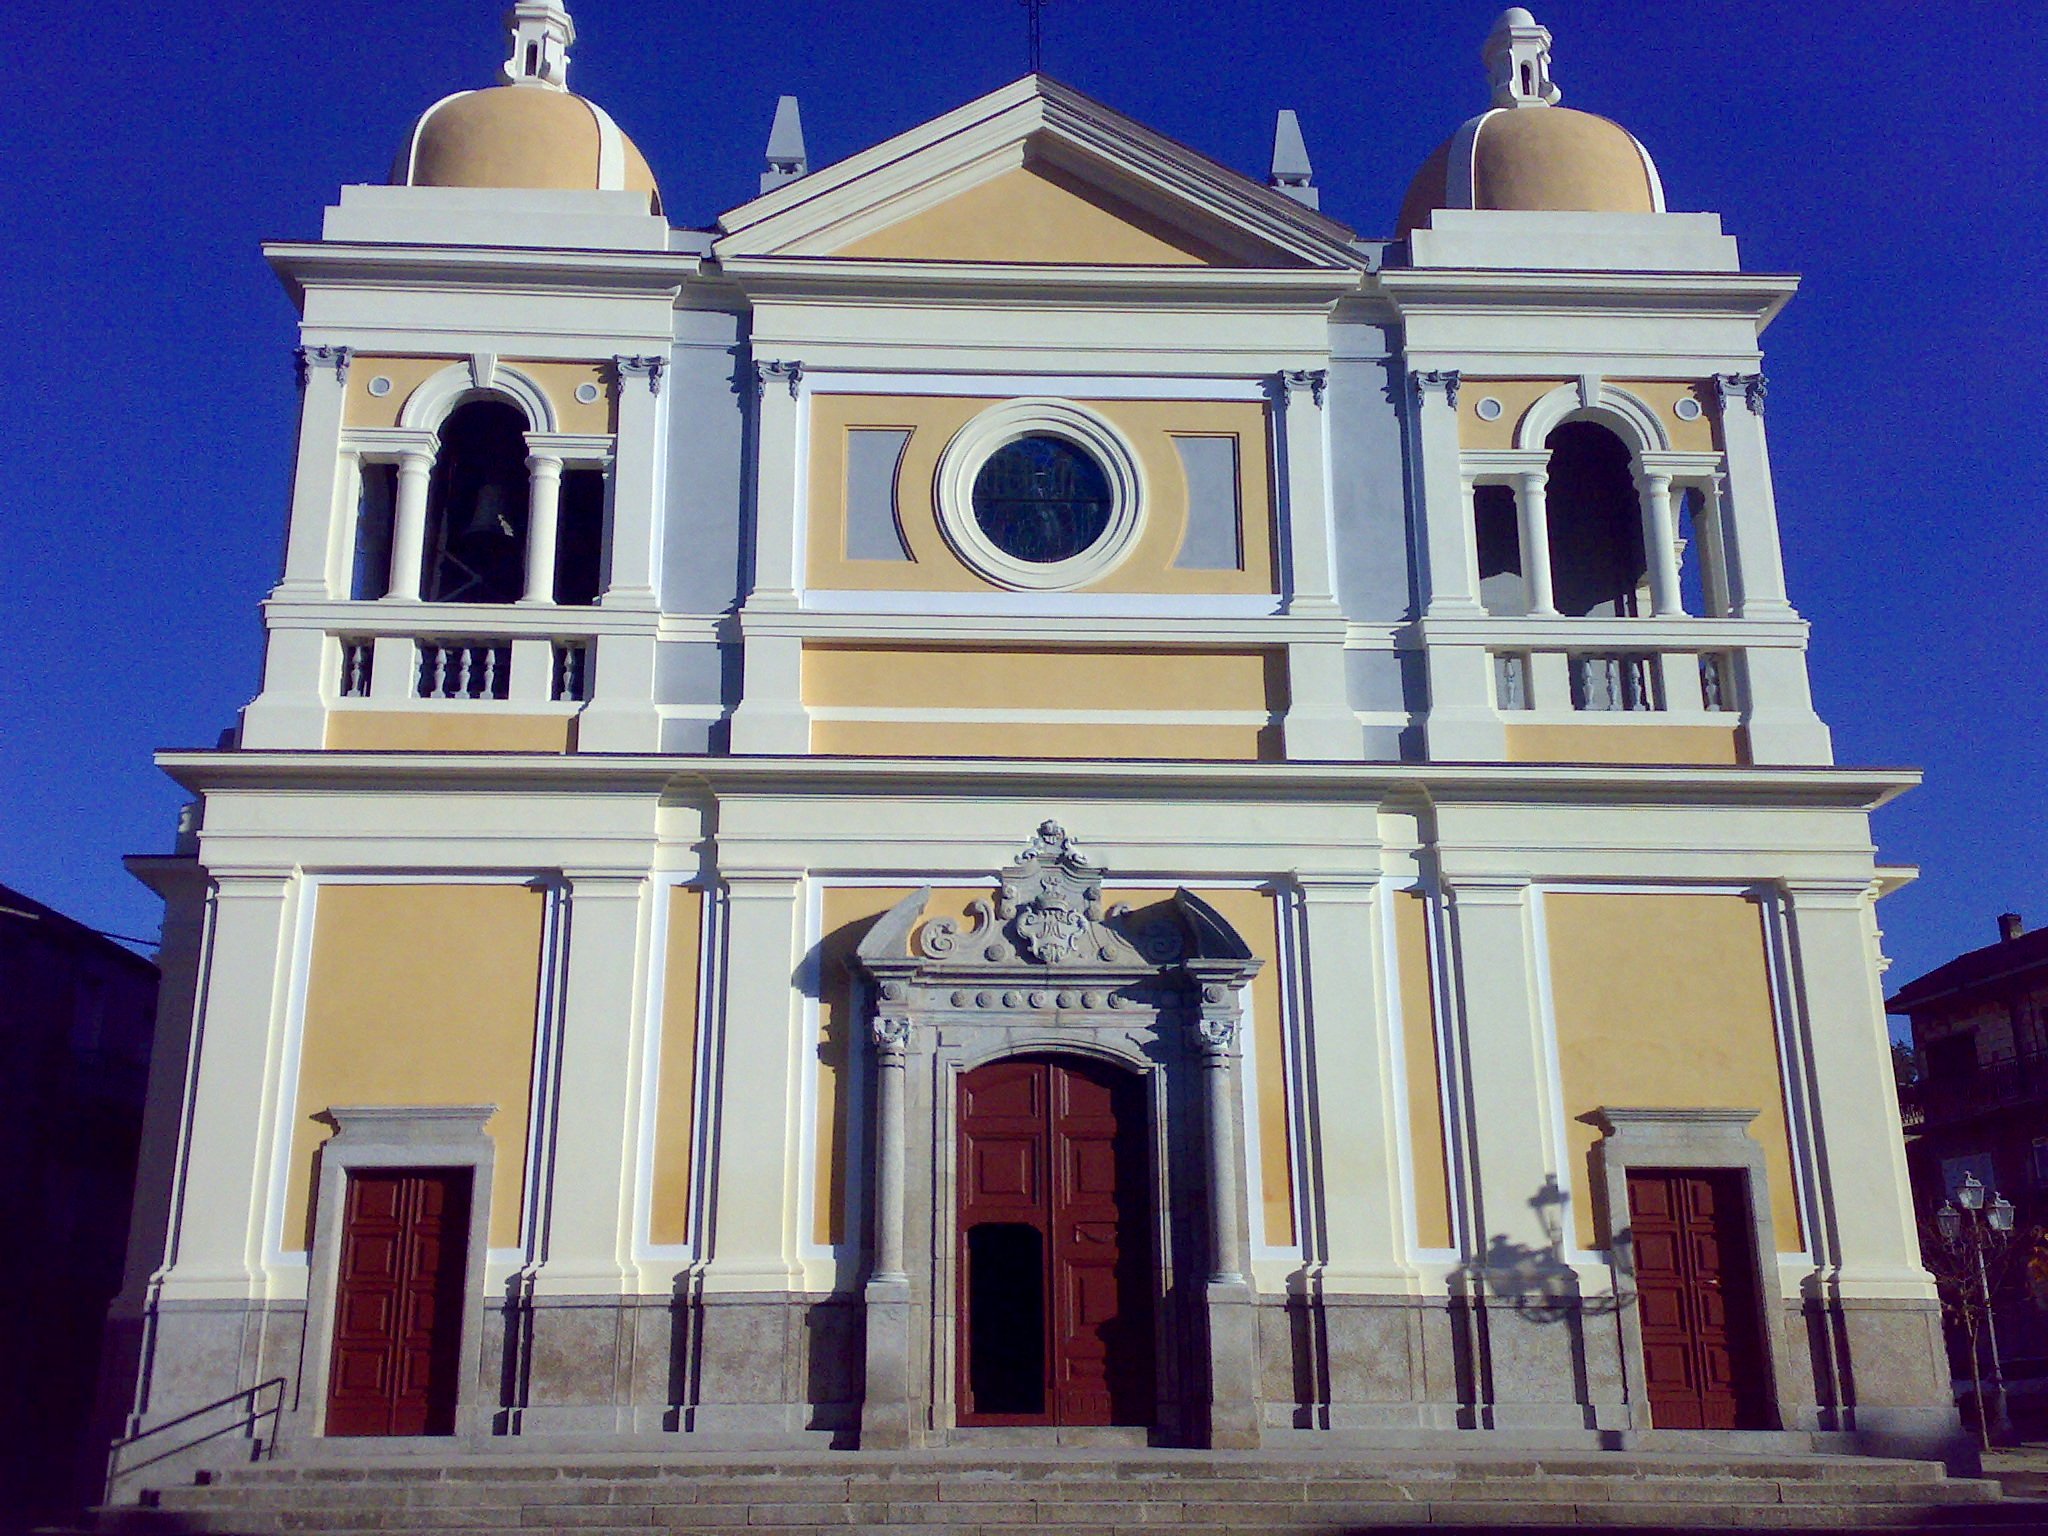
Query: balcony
x,y
1981,1090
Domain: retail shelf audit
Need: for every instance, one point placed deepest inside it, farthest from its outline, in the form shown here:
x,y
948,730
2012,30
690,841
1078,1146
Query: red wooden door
x,y
398,1303
1055,1273
1703,1352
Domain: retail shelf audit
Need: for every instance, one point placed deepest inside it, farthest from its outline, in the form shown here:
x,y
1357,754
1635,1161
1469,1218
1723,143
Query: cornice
x,y
1756,296
625,274
840,279
1846,789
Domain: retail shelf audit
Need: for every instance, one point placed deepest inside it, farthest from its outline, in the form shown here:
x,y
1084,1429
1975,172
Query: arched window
x,y
1597,567
477,507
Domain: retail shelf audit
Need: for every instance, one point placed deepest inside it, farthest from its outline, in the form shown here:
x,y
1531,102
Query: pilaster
x,y
1868,1229
311,544
756,1095
587,1248
1750,505
1529,1367
218,1201
1353,1128
636,484
771,718
1448,549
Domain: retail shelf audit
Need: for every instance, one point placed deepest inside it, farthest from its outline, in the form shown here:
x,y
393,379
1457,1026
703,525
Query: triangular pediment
x,y
1035,175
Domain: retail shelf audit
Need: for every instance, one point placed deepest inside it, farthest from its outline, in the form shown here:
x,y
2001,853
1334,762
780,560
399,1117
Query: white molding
x,y
1007,422
829,381
431,402
1632,418
1197,609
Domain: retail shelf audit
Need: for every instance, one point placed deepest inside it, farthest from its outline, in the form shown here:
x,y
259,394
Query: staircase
x,y
1072,1492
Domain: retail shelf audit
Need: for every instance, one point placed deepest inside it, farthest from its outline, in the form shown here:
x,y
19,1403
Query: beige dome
x,y
1536,158
523,136
1527,153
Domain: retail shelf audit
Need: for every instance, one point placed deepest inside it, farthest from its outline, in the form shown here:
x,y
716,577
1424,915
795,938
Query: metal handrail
x,y
248,1420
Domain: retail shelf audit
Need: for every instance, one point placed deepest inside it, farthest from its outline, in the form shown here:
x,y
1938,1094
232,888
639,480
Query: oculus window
x,y
1040,495
1041,499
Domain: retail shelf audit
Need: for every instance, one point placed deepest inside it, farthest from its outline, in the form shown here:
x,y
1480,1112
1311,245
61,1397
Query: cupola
x,y
529,131
1527,153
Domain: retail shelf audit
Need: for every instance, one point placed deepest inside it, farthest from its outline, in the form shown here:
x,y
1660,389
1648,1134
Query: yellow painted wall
x,y
1517,395
1630,743
443,730
848,913
1026,680
1664,1002
557,380
1425,1079
675,1092
420,994
1149,425
1040,213
1700,435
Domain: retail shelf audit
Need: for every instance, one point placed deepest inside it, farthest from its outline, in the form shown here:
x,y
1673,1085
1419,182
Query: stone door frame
x,y
1046,971
398,1136
1708,1140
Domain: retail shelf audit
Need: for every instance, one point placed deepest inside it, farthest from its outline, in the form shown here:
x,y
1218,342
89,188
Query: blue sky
x,y
1891,153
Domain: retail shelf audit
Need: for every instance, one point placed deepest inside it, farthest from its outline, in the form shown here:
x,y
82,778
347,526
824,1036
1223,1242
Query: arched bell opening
x,y
1597,563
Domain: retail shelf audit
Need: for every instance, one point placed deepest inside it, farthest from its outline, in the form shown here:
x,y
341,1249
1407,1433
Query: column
x,y
317,477
771,718
1710,533
544,504
1233,1320
409,525
1532,524
886,1420
1758,565
1450,555
1509,1142
1660,543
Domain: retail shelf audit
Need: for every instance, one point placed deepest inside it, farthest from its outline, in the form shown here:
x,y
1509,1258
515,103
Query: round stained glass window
x,y
1041,499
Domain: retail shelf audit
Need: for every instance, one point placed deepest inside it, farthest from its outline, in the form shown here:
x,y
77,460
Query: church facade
x,y
1028,793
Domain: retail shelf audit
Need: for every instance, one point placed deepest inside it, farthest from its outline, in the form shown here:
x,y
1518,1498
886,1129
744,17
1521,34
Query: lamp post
x,y
1969,1230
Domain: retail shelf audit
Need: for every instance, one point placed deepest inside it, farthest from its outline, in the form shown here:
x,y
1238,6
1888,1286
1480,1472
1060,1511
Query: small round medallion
x,y
586,394
1489,409
380,386
1687,409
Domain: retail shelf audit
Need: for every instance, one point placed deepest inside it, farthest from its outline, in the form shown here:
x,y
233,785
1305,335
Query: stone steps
x,y
1071,1492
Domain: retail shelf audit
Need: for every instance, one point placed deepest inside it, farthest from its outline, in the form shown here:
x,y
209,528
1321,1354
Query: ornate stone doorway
x,y
1055,1258
1046,975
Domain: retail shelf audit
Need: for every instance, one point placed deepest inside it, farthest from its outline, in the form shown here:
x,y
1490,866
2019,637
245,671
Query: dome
x,y
522,136
1527,153
530,131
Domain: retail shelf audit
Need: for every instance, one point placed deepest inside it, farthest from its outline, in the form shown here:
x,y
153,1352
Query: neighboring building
x,y
619,1005
1980,1102
77,1012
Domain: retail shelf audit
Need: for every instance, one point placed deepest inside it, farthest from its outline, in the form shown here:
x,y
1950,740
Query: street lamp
x,y
1969,1233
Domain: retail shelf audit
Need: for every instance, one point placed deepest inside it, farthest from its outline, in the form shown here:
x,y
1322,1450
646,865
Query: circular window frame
x,y
996,428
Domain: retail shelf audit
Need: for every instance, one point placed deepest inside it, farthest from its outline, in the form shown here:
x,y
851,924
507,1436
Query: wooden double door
x,y
1055,1263
398,1302
1704,1355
